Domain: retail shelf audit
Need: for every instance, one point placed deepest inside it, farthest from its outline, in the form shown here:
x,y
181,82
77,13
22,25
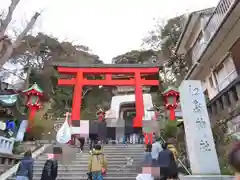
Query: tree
x,y
7,46
34,57
136,56
164,38
170,130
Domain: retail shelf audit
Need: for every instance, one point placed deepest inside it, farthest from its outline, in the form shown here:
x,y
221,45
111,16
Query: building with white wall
x,y
210,43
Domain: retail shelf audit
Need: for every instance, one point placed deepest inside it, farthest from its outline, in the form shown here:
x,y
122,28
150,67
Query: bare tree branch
x,y
9,48
26,30
5,22
2,13
15,74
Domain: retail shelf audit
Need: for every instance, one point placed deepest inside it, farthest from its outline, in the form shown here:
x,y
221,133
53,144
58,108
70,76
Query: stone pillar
x,y
231,97
200,144
6,161
225,101
219,106
238,90
214,109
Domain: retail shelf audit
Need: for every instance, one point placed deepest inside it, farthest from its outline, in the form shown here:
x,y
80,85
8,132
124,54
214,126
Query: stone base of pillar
x,y
206,177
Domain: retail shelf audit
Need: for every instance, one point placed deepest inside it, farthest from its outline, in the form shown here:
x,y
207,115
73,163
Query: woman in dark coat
x,y
167,164
93,133
25,168
102,128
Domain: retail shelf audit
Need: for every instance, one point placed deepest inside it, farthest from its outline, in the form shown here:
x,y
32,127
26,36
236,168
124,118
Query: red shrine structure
x,y
79,74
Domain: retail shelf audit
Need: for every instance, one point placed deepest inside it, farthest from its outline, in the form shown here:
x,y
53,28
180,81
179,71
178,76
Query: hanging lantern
x,y
101,114
34,95
171,99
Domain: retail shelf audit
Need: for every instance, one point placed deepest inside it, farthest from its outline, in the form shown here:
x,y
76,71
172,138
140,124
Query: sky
x,y
108,27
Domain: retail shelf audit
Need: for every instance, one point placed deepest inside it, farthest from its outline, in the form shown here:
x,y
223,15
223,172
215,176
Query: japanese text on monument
x,y
198,109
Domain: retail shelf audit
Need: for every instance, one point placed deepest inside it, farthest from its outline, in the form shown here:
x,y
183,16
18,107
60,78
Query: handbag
x,y
103,171
64,133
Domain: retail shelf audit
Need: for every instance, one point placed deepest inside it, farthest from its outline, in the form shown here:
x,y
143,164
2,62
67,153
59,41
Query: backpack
x,y
49,168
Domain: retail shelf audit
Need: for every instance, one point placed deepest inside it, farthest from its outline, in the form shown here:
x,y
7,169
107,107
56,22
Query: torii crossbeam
x,y
136,71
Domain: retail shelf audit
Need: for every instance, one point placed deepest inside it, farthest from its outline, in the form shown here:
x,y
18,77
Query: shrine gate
x,y
109,71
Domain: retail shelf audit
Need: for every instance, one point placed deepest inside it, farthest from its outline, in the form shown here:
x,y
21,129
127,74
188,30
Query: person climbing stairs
x,y
122,163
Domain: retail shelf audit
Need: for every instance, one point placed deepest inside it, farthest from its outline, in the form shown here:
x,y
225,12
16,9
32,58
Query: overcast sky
x,y
108,27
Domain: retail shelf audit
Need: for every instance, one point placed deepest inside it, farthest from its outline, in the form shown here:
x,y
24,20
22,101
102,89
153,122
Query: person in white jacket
x,y
156,149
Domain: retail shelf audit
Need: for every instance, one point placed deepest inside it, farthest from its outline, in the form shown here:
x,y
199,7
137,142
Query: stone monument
x,y
200,144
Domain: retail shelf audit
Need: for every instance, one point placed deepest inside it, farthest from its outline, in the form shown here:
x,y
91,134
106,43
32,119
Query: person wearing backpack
x,y
50,169
167,163
97,165
25,168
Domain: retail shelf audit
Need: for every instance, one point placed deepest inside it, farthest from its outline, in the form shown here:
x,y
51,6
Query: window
x,y
225,73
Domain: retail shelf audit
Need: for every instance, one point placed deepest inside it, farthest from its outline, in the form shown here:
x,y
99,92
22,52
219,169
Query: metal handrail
x,y
181,163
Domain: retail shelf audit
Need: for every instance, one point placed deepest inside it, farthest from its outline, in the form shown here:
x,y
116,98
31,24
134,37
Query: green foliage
x,y
222,142
224,166
136,57
170,129
164,38
15,148
96,98
35,133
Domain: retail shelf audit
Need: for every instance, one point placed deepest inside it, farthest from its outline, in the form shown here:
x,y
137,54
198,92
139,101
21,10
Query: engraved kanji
x,y
201,122
197,106
194,91
204,146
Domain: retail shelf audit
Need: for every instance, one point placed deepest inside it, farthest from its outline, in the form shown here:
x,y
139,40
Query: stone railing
x,y
8,173
6,145
211,27
7,158
28,146
226,104
7,161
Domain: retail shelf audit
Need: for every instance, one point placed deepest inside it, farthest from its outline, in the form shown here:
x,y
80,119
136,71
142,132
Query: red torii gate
x,y
80,71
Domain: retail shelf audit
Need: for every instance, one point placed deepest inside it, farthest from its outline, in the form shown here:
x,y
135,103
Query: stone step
x,y
120,166
112,155
116,148
85,159
85,168
116,155
75,166
110,163
72,174
85,177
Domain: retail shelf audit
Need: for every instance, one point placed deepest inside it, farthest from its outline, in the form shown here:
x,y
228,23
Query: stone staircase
x,y
123,163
